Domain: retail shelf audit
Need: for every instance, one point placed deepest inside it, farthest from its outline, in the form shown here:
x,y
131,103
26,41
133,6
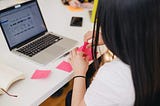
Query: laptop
x,y
26,34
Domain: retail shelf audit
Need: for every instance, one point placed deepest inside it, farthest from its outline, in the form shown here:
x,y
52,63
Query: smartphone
x,y
76,21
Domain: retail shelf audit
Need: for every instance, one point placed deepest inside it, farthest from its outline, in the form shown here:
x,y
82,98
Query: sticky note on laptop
x,y
65,66
41,74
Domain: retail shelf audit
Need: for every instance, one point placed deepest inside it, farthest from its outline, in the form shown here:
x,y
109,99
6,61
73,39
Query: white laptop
x,y
26,34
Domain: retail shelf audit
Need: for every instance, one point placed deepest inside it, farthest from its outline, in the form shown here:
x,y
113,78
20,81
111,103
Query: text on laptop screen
x,y
21,23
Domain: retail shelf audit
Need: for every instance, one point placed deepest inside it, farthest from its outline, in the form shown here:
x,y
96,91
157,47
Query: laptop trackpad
x,y
55,50
49,54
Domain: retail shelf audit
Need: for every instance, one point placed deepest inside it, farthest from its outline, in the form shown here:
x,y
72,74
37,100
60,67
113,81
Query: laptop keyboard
x,y
39,45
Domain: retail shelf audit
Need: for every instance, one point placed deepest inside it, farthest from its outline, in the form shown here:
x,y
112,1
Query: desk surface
x,y
33,92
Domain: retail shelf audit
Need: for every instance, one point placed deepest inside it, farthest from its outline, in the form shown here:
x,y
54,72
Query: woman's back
x,y
112,85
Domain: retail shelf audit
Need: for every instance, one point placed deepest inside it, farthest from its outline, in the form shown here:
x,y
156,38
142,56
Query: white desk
x,y
33,92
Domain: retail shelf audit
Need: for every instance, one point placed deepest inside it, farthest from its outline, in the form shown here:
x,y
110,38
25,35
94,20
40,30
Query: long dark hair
x,y
131,30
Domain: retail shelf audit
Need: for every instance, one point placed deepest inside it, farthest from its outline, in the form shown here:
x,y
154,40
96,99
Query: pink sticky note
x,y
80,49
87,51
84,46
40,74
65,66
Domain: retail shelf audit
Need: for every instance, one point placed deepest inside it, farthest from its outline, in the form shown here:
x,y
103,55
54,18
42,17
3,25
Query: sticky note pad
x,y
65,66
40,74
87,51
78,9
83,48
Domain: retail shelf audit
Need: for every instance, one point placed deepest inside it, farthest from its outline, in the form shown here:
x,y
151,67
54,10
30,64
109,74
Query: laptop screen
x,y
21,23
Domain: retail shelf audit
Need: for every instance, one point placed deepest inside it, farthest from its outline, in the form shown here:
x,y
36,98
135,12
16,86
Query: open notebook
x,y
8,76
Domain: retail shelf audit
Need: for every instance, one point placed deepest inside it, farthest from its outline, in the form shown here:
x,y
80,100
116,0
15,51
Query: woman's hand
x,y
79,62
75,3
88,36
87,5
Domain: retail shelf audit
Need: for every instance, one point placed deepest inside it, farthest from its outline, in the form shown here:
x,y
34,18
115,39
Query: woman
x,y
131,30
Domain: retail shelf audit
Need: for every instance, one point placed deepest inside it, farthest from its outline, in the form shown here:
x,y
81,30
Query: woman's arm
x,y
80,66
79,89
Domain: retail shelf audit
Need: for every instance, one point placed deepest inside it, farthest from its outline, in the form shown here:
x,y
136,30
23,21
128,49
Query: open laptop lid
x,y
22,23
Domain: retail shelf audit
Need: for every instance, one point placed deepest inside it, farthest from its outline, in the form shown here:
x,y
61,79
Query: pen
x,y
64,55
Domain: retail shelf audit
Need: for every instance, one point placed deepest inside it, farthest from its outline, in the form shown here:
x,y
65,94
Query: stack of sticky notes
x,y
87,51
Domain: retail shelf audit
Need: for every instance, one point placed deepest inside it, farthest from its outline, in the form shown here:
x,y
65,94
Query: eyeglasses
x,y
8,93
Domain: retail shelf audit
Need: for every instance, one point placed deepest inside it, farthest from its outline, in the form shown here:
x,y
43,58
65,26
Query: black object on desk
x,y
76,21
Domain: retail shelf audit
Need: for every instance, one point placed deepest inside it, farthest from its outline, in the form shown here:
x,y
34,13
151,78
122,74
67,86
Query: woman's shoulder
x,y
116,80
116,71
116,67
116,63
